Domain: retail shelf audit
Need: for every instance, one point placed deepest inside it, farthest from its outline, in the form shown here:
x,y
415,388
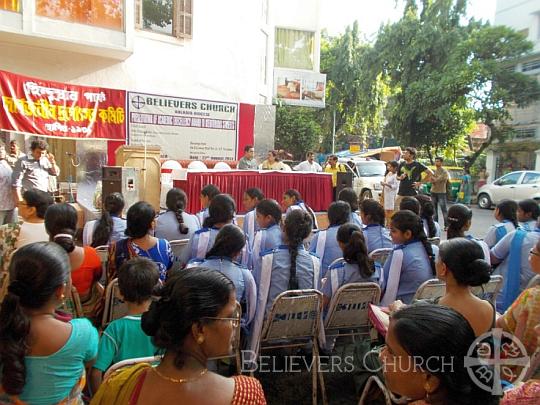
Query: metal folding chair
x,y
489,290
103,253
294,321
115,307
130,362
380,255
533,282
72,304
4,282
348,311
430,289
178,246
435,241
389,397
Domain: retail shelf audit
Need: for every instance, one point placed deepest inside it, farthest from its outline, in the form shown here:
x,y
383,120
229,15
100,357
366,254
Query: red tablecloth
x,y
316,188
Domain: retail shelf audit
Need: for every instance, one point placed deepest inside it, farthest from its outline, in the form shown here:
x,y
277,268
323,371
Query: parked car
x,y
514,186
367,176
456,173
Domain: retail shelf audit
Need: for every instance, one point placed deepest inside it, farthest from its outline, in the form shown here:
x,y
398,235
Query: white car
x,y
367,176
513,186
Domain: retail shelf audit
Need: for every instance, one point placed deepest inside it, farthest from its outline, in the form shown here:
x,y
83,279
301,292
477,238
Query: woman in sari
x,y
192,322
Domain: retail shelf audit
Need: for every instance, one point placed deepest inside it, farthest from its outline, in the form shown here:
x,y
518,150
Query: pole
x,y
144,166
334,134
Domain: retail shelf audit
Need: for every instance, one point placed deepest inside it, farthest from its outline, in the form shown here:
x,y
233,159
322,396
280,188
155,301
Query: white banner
x,y
300,87
184,128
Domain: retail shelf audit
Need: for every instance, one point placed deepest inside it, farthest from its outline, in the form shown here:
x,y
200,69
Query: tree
x,y
297,130
157,12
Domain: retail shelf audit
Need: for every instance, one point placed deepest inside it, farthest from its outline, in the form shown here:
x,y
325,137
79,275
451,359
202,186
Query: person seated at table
x,y
228,245
292,200
324,243
194,321
221,212
459,222
511,254
411,262
110,227
432,229
506,214
349,196
251,198
176,223
273,162
208,192
410,203
61,225
268,215
376,235
43,358
288,267
431,343
527,214
140,242
123,338
353,267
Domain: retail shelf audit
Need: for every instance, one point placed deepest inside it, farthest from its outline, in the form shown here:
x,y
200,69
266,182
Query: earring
x,y
200,339
427,388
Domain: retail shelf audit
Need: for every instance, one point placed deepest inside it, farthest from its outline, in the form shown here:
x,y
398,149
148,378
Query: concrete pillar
x,y
491,164
537,163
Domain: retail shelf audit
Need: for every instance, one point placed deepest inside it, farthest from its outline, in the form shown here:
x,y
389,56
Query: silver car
x,y
513,186
367,176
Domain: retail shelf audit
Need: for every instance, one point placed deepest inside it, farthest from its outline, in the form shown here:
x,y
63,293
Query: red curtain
x,y
316,189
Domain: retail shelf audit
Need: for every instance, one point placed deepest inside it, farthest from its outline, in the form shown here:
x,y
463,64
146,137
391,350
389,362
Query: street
x,y
481,221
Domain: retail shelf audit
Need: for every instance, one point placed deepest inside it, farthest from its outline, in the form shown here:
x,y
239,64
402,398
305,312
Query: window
x,y
99,13
509,179
294,49
168,17
532,65
10,5
531,178
523,133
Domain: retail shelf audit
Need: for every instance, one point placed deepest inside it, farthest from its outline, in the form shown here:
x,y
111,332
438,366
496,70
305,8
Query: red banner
x,y
62,110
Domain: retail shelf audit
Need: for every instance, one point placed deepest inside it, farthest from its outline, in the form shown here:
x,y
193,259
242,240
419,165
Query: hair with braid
x,y
298,197
221,210
112,206
176,202
298,225
230,241
354,249
406,220
427,210
508,211
61,225
270,207
530,206
458,216
373,211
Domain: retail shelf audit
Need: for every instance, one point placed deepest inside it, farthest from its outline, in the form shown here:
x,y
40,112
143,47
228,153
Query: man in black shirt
x,y
410,175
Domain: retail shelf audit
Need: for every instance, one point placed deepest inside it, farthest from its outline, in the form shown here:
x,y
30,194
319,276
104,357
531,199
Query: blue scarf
x,y
512,278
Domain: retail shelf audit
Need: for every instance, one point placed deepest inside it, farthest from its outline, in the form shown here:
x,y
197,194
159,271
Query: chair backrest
x,y
115,307
178,246
435,241
4,282
103,253
295,314
533,282
349,306
130,362
380,255
430,289
489,290
72,303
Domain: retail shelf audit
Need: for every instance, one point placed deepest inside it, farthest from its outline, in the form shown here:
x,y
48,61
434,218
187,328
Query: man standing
x,y
334,167
7,205
439,181
410,175
248,162
33,171
14,153
308,165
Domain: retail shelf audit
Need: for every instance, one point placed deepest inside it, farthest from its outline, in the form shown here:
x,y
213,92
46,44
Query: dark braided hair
x,y
176,202
298,226
112,206
229,242
210,191
298,197
406,220
221,210
427,210
270,207
355,249
508,211
373,211
458,216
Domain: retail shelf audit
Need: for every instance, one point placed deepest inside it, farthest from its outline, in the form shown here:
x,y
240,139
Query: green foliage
x,y
297,130
157,12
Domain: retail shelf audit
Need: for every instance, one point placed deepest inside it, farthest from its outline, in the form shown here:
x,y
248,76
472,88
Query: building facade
x,y
522,150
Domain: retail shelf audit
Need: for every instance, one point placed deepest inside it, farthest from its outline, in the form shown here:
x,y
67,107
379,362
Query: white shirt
x,y
305,166
30,233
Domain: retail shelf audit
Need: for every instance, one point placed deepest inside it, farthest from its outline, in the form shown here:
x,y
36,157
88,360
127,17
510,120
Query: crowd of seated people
x,y
188,315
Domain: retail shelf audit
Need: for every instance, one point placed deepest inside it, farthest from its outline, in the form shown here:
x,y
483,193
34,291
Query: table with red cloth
x,y
315,188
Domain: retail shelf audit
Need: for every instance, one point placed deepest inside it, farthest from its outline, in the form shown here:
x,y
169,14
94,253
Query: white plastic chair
x,y
430,289
178,246
197,165
222,166
115,307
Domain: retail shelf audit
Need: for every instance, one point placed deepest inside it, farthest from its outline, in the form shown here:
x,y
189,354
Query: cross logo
x,y
499,355
138,102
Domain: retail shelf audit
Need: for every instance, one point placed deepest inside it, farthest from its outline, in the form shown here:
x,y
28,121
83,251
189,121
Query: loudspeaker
x,y
124,180
344,180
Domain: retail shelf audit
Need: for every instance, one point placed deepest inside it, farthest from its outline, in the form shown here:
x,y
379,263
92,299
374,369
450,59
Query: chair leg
x,y
314,373
320,374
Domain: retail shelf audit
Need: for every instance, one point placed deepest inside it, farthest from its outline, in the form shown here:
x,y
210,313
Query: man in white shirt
x,y
308,165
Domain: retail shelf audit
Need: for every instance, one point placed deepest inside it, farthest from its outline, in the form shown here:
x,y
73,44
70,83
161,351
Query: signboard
x,y
184,128
61,110
299,87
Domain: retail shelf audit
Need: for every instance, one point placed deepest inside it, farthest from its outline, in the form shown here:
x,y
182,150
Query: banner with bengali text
x,y
184,128
61,110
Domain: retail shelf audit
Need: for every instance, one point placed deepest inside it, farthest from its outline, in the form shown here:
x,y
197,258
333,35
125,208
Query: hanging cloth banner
x,y
61,110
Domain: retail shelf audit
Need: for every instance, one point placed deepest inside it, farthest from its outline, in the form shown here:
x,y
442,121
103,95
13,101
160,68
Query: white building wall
x,y
520,15
225,59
